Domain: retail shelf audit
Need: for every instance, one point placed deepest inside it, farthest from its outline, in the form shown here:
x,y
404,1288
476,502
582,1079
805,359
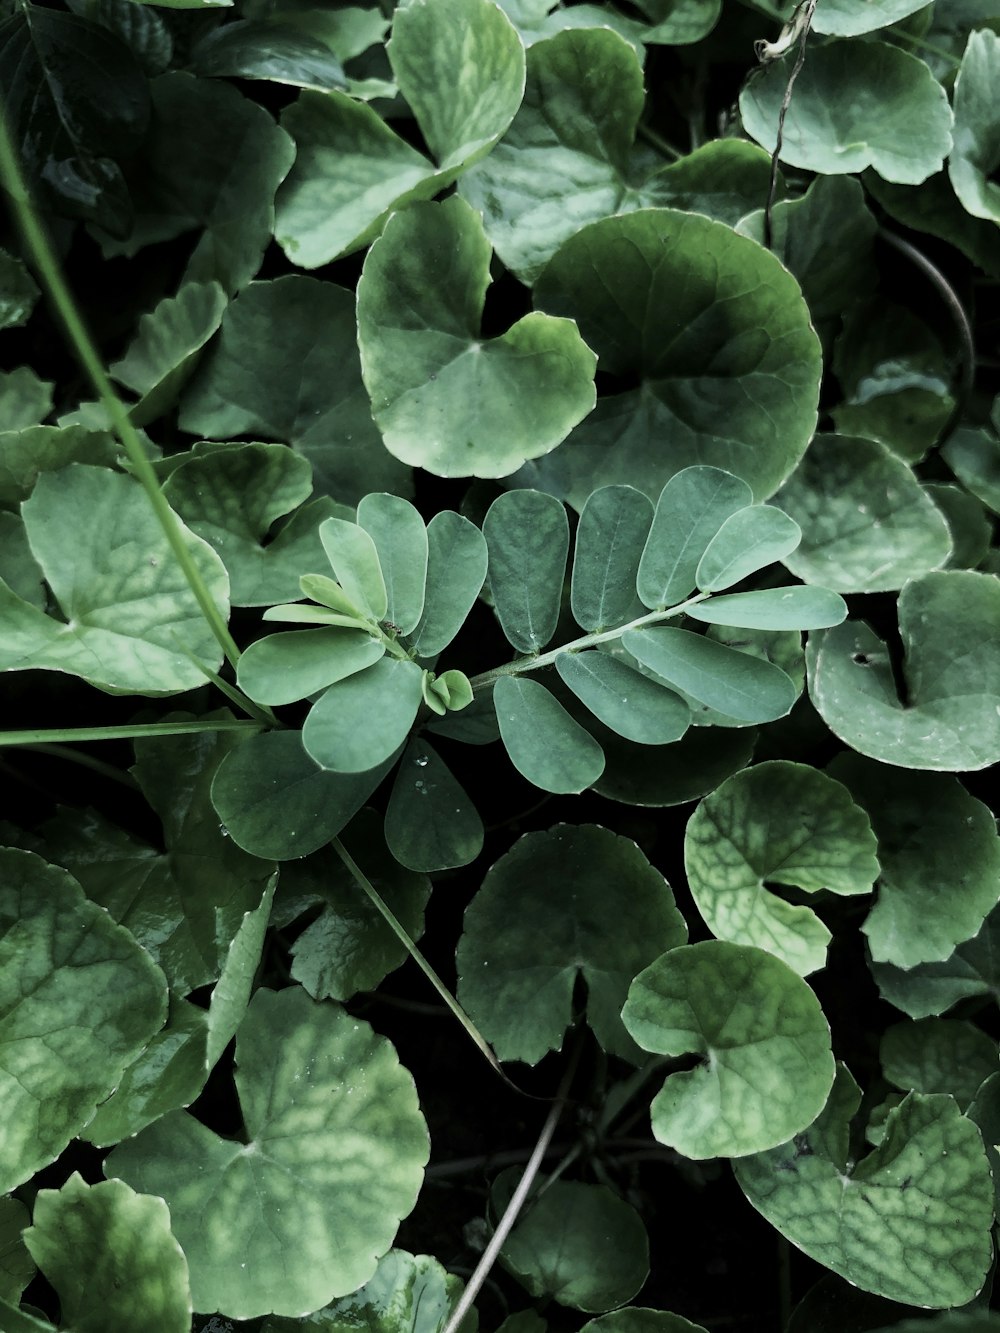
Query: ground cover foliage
x,y
501,629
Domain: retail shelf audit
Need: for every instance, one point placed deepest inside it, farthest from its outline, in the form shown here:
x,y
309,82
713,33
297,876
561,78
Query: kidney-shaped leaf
x,y
856,105
766,1064
778,823
445,398
910,1222
719,336
110,1254
949,623
334,1157
548,912
78,1001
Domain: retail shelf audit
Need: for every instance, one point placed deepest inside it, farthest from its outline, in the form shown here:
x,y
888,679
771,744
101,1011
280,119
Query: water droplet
x,y
223,830
421,761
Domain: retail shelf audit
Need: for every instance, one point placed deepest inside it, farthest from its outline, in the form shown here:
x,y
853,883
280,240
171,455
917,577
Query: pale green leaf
x,y
610,536
903,1222
25,400
773,609
527,535
281,668
969,525
850,18
749,540
354,558
68,972
26,453
400,540
973,165
777,823
361,721
457,560
445,398
112,1258
691,509
544,743
18,567
298,1213
949,624
867,525
766,1066
629,703
430,823
856,105
549,912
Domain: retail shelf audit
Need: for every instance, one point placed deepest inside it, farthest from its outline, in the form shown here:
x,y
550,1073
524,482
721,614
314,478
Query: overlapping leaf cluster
x,y
557,466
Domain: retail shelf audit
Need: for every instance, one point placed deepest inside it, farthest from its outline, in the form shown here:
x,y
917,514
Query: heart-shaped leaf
x,y
445,398
777,823
766,1065
518,961
330,1155
910,1222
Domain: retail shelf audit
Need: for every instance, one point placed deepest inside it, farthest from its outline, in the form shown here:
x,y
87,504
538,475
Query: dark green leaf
x,y
938,1055
18,291
972,166
974,457
430,823
17,1267
258,49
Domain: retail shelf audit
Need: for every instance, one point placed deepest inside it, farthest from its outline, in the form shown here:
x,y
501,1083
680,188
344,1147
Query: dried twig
x,y
796,29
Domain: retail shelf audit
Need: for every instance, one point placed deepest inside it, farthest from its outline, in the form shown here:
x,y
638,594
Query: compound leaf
x,y
400,540
749,540
773,609
457,560
281,668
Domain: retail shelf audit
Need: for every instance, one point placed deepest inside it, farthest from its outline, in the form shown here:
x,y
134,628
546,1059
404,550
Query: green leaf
x,y
777,823
569,157
276,802
744,687
692,508
773,609
938,1055
766,1066
902,1223
680,22
527,535
664,775
281,668
303,388
460,66
349,947
400,540
211,162
297,1214
544,743
445,398
629,703
543,919
20,1321
133,624
355,560
258,49
969,525
974,457
17,1267
933,208
850,18
578,1244
949,624
457,560
68,972
430,823
18,567
635,1319
410,1293
867,525
932,988
716,331
18,291
111,1257
361,721
164,353
940,860
974,161
610,536
26,453
749,540
856,105
76,105
25,400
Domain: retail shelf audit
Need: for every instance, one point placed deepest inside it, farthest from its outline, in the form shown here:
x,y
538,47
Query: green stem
x,y
658,142
58,735
50,273
922,45
86,761
521,665
401,934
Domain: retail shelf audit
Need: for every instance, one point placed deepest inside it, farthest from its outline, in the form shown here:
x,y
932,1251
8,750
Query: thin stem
x,y
802,21
137,731
521,665
50,273
658,142
260,712
401,934
86,761
517,1199
923,45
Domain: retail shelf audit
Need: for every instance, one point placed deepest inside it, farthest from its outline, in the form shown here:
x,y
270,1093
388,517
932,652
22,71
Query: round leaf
x,y
736,390
855,105
949,623
910,1222
336,1145
626,701
112,1258
544,743
281,668
527,535
849,18
361,721
664,775
444,398
430,823
548,913
778,823
766,1067
867,525
79,999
